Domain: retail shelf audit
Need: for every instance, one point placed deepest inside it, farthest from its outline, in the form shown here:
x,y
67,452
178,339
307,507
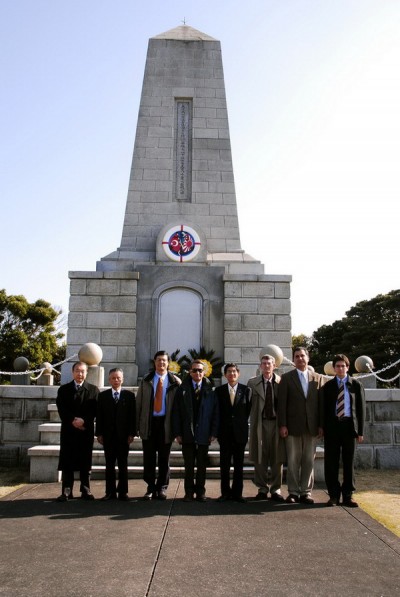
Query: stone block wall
x,y
22,410
381,446
102,310
256,313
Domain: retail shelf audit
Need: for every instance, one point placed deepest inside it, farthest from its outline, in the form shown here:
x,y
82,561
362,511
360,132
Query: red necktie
x,y
158,396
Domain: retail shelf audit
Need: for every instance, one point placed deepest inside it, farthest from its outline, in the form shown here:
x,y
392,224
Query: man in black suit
x,y
233,431
343,406
115,430
76,403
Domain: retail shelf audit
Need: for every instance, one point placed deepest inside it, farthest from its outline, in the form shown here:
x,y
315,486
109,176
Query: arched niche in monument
x,y
180,320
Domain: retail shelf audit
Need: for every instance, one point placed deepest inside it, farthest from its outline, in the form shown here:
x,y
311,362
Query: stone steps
x,y
44,458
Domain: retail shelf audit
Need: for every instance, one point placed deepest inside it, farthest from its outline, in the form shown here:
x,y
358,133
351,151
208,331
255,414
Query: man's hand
x,y
100,439
179,439
78,423
283,431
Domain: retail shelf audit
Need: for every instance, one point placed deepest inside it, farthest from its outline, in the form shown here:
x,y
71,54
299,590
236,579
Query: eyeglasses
x,y
197,370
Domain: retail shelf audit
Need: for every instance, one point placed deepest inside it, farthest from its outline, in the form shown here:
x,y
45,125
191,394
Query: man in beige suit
x,y
266,447
299,423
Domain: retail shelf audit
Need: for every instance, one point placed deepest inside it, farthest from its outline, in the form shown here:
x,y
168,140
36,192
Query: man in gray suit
x,y
299,423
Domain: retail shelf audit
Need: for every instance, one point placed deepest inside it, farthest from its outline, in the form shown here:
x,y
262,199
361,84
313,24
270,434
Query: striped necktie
x,y
340,401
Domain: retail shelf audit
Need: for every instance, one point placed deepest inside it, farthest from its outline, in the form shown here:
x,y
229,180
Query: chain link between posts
x,y
362,375
40,371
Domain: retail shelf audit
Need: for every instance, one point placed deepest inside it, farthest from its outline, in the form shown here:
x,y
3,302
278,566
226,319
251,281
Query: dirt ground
x,y
378,493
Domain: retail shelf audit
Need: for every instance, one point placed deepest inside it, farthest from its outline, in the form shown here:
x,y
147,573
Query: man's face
x,y
232,375
267,367
341,369
79,373
116,379
161,364
300,359
197,372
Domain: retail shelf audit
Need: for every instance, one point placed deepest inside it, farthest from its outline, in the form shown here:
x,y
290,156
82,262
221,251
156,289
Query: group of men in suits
x,y
288,415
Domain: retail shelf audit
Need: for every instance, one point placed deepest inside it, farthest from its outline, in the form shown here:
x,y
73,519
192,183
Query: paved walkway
x,y
174,549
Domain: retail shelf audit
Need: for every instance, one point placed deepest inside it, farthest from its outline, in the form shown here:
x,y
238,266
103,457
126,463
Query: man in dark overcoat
x,y
76,403
195,426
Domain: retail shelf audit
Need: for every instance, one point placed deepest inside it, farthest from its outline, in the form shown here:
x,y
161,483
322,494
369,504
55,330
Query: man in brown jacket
x,y
154,403
299,423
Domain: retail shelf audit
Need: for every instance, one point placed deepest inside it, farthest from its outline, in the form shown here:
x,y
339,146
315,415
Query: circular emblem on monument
x,y
181,243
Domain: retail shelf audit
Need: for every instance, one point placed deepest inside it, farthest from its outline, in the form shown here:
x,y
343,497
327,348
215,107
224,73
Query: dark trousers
x,y
195,455
340,441
67,477
230,450
153,447
116,451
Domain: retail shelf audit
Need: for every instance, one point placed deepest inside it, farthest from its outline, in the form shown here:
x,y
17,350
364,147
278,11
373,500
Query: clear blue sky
x,y
313,92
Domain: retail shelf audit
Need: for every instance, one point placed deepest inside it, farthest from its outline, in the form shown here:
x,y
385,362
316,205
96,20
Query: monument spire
x,y
182,170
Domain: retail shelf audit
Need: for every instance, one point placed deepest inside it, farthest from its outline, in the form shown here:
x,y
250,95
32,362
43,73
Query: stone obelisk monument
x,y
180,278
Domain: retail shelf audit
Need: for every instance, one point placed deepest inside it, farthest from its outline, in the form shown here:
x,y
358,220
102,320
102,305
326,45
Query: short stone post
x,y
21,364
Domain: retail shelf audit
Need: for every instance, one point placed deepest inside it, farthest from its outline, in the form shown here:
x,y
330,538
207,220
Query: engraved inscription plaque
x,y
183,150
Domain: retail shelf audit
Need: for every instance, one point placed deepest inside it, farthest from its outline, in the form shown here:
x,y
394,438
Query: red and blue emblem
x,y
181,243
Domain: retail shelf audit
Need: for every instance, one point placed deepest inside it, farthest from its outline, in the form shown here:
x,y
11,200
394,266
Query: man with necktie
x,y
299,421
154,403
115,431
343,408
233,430
266,448
76,404
195,426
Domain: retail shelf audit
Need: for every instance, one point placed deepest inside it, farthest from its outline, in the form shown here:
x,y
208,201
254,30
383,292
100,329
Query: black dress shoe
x,y
201,497
161,495
332,502
188,497
87,494
277,497
109,496
292,499
349,503
223,498
123,497
239,499
261,496
149,495
66,495
306,499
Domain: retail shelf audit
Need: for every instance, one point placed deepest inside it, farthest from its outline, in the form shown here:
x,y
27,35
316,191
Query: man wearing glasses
x,y
195,425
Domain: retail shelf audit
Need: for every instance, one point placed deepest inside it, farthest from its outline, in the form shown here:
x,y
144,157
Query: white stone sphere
x,y
47,367
361,364
328,368
275,352
90,353
311,368
21,364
